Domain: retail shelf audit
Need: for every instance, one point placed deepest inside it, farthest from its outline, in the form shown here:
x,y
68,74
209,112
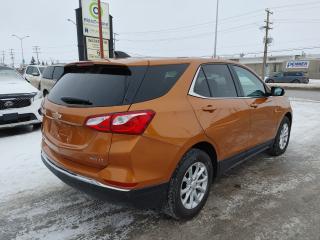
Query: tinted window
x,y
41,69
251,85
220,80
102,86
30,70
201,86
47,73
58,71
159,80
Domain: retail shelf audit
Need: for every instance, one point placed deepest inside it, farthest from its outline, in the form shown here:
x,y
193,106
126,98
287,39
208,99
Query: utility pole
x,y
12,56
216,31
36,50
3,53
267,40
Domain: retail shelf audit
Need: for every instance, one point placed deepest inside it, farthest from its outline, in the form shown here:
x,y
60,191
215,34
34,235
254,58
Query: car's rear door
x,y
261,107
221,113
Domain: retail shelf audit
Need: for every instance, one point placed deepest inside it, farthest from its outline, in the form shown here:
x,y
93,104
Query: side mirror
x,y
277,91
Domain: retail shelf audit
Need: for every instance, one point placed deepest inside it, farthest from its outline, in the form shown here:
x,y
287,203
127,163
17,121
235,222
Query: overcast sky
x,y
163,27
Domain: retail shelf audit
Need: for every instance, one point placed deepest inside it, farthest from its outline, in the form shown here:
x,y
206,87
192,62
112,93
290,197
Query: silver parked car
x,y
49,77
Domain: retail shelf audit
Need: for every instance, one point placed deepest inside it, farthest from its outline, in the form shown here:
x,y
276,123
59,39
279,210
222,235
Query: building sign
x,y
90,19
93,48
298,64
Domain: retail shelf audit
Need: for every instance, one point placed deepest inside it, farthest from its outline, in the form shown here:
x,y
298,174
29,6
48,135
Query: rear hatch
x,y
87,94
83,92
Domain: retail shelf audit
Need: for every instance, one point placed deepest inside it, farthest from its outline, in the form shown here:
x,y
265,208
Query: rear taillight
x,y
126,122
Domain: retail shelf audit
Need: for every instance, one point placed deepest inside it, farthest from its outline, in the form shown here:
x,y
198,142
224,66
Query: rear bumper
x,y
152,197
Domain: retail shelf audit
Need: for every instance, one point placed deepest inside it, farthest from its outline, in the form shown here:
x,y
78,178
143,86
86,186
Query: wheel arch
x,y
210,150
289,116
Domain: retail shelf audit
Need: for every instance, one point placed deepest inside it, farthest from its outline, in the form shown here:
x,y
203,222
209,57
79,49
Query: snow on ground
x,y
21,167
34,204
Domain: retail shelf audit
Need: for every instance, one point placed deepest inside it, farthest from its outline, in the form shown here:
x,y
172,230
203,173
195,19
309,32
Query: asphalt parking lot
x,y
264,198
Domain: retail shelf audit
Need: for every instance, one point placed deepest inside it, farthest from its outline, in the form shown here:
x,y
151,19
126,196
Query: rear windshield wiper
x,y
78,101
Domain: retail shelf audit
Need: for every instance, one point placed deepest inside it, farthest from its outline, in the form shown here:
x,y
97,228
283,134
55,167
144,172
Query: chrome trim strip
x,y
78,177
10,125
63,121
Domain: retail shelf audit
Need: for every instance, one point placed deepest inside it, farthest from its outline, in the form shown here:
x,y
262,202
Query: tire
x,y
174,206
279,147
296,81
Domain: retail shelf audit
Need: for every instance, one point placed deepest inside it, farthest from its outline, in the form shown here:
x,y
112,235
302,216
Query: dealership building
x,y
309,64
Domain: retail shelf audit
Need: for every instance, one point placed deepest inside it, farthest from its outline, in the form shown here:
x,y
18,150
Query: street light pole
x,y
21,44
216,31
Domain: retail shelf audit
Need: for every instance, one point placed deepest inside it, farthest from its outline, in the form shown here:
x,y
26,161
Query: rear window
x,y
47,73
159,80
105,86
57,73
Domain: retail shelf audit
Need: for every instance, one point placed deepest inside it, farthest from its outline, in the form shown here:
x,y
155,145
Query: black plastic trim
x,y
231,162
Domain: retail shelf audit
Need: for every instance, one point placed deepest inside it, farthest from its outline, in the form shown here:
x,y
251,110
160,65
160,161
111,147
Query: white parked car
x,y
33,74
20,102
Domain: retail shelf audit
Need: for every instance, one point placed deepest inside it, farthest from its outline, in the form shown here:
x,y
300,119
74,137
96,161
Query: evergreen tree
x,y
33,61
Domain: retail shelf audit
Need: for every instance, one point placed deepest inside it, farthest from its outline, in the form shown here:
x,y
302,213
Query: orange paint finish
x,y
230,126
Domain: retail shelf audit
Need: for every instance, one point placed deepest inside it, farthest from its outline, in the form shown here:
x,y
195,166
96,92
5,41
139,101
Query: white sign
x,y
90,19
93,48
298,64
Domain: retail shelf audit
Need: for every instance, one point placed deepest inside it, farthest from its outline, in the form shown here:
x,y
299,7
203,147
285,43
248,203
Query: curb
x,y
298,86
294,99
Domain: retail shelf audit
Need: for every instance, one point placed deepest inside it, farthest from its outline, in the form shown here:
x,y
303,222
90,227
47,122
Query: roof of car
x,y
151,61
35,66
57,65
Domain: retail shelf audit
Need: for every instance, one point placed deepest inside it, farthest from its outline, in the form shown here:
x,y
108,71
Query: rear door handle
x,y
253,105
208,108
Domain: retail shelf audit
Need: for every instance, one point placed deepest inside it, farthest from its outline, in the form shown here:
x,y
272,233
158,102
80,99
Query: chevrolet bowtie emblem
x,y
56,115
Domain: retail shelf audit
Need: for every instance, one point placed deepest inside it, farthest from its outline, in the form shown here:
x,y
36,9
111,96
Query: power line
x,y
236,28
255,12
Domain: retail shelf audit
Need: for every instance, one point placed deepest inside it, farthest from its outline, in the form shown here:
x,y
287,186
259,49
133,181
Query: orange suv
x,y
159,130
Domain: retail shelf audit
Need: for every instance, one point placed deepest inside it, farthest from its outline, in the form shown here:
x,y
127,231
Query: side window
x,y
220,80
47,73
159,80
29,70
201,86
36,71
251,85
57,73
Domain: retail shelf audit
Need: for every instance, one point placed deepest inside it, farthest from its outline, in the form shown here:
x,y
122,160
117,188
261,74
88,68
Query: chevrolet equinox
x,y
159,129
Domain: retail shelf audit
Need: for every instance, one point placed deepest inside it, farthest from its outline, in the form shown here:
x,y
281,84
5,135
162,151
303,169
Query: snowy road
x,y
264,198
